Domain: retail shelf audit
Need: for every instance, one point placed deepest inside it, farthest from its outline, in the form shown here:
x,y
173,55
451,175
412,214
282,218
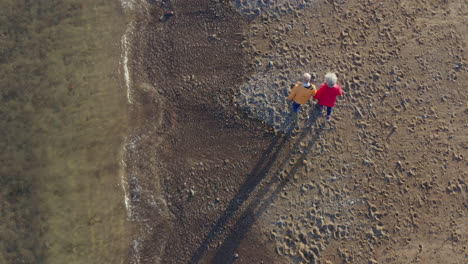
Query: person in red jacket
x,y
327,93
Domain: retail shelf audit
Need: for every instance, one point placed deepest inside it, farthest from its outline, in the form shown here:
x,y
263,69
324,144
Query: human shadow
x,y
268,159
262,167
261,202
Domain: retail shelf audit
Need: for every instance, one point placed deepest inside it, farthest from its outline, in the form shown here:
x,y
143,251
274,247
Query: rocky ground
x,y
384,182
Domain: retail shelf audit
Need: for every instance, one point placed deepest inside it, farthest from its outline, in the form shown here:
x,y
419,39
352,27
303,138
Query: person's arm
x,y
340,92
314,90
293,93
317,94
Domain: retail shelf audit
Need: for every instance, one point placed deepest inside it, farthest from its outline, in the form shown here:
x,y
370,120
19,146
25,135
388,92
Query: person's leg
x,y
329,112
295,109
318,108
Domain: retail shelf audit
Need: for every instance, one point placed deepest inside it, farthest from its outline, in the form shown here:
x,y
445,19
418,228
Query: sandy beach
x,y
159,131
217,174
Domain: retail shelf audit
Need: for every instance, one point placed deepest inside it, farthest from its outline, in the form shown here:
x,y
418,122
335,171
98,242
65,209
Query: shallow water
x,y
63,118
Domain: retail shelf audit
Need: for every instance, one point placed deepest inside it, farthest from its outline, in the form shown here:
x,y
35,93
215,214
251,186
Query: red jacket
x,y
326,95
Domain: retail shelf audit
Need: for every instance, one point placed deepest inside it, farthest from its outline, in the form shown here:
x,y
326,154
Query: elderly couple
x,y
326,94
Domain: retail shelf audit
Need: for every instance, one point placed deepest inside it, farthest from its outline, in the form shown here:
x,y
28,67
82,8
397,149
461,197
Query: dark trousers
x,y
329,109
295,107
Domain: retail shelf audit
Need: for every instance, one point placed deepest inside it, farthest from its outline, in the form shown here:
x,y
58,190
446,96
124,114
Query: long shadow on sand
x,y
262,199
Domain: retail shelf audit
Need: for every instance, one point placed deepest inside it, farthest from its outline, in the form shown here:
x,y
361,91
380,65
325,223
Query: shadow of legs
x,y
259,172
254,178
259,204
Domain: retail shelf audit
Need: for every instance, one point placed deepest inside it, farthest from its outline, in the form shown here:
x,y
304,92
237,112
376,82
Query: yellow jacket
x,y
300,94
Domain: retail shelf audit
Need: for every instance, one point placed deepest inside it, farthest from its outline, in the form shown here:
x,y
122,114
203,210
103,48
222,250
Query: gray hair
x,y
330,79
306,77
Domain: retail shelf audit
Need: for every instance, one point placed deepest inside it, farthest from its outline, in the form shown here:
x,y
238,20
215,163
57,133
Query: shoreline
x,y
157,118
236,192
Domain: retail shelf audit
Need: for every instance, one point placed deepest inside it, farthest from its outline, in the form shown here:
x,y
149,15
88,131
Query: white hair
x,y
306,77
330,79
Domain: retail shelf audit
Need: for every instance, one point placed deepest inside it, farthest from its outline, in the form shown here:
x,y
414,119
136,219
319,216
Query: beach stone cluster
x,y
264,95
269,8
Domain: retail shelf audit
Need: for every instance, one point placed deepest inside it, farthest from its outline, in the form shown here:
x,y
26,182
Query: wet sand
x,y
216,175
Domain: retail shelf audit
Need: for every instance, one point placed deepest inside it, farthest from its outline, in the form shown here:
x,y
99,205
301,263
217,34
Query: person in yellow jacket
x,y
301,93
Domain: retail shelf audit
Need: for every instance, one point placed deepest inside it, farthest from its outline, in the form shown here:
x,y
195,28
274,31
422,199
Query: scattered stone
x,y
191,193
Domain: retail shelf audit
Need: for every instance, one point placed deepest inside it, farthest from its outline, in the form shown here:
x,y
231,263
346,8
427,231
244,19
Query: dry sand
x,y
384,182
